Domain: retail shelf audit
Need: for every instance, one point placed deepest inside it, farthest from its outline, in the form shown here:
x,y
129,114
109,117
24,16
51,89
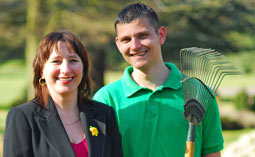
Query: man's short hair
x,y
137,10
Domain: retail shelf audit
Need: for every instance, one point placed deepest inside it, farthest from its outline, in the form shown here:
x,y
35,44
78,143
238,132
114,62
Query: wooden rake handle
x,y
190,144
190,147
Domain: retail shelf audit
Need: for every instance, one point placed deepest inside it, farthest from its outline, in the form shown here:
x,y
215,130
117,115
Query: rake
x,y
202,72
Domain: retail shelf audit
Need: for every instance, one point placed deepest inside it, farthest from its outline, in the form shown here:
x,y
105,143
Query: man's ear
x,y
117,41
162,35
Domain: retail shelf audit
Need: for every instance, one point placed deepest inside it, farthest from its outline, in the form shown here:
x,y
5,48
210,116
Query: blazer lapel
x,y
96,143
51,126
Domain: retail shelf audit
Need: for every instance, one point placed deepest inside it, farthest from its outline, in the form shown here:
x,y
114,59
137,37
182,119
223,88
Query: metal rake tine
x,y
213,72
217,84
209,66
212,62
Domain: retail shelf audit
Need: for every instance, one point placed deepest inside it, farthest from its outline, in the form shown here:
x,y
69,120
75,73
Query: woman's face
x,y
63,71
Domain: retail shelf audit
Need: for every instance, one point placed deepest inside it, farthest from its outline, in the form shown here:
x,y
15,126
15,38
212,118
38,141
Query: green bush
x,y
230,124
251,103
245,61
244,101
240,100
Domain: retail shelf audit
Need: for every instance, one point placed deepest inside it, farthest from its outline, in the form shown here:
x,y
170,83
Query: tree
x,y
211,24
31,42
224,25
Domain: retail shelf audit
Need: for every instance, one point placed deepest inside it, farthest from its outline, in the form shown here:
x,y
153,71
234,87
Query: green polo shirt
x,y
151,123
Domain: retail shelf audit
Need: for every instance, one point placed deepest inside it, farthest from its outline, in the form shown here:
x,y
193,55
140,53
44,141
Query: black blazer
x,y
33,131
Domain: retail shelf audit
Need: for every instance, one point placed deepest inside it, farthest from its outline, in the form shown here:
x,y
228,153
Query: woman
x,y
61,120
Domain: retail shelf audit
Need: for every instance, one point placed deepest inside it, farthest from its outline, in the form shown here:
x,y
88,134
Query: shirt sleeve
x,y
212,131
102,96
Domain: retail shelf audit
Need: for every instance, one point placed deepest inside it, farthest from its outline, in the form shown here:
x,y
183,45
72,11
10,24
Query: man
x,y
148,99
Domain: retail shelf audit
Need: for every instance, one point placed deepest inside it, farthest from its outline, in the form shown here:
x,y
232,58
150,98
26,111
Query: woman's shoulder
x,y
100,105
27,108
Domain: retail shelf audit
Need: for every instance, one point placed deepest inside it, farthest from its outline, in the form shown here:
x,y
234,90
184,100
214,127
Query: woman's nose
x,y
64,68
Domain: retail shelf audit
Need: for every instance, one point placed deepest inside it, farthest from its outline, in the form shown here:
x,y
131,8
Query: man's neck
x,y
151,78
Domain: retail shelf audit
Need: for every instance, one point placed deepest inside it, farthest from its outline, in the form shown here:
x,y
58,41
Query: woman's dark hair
x,y
137,10
46,46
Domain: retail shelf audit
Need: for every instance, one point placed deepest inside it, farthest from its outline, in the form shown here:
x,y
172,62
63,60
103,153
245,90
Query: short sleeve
x,y
212,130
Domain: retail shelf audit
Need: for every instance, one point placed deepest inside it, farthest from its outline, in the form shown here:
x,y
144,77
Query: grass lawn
x,y
239,81
3,114
12,82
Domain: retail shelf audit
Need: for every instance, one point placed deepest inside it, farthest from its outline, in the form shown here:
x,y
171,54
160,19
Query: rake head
x,y
202,72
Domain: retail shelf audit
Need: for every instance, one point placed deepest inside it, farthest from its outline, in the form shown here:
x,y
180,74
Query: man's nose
x,y
135,44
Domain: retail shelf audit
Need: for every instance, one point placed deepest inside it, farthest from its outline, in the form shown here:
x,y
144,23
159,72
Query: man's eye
x,y
125,40
143,36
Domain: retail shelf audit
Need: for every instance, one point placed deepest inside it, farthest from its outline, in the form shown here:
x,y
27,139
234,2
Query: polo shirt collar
x,y
130,87
174,79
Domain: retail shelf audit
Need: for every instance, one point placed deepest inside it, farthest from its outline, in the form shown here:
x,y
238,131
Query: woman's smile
x,y
65,80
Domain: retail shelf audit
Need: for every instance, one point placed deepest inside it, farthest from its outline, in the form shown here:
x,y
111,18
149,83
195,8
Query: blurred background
x,y
228,26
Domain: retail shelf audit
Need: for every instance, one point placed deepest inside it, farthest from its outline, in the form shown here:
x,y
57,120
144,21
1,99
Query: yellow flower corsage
x,y
93,130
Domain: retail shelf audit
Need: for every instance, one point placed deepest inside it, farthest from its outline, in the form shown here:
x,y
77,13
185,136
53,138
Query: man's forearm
x,y
216,154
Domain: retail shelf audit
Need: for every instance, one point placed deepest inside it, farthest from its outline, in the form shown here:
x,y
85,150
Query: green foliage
x,y
230,124
244,60
242,40
248,63
3,114
244,101
240,100
251,103
224,25
210,26
12,35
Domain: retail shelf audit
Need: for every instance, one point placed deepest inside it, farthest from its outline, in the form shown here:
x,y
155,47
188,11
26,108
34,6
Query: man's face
x,y
139,43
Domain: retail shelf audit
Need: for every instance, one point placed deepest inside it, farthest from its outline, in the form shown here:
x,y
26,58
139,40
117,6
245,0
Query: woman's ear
x,y
42,75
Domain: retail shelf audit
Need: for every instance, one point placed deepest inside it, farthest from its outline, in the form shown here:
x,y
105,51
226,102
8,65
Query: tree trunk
x,y
97,59
31,43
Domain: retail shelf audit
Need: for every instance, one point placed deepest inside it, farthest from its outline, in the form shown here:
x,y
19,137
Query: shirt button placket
x,y
152,109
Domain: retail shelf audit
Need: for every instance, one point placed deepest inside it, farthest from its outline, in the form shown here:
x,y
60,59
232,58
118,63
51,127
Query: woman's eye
x,y
73,60
56,61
